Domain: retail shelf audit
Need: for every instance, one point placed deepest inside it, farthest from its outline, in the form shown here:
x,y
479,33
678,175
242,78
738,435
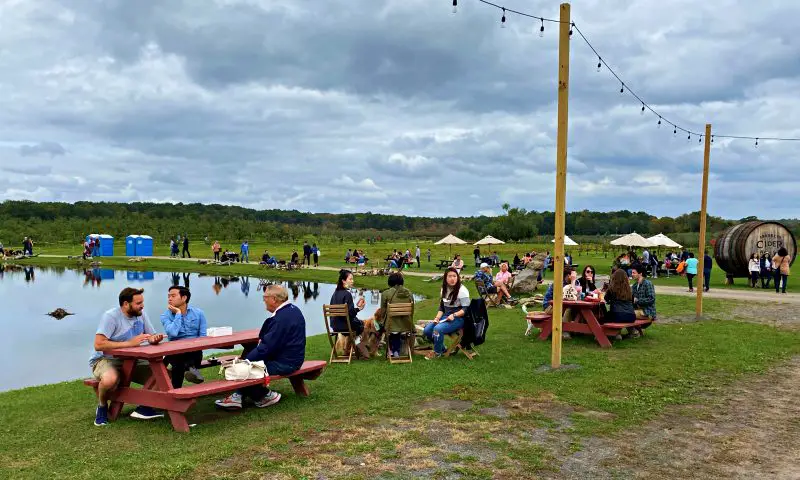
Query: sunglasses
x,y
589,271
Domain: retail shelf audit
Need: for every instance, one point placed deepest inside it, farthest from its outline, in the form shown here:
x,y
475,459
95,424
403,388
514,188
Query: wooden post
x,y
561,182
703,203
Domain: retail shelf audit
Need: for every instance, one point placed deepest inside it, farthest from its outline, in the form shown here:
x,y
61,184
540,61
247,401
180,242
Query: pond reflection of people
x,y
29,274
294,286
176,279
186,276
217,286
307,293
245,286
316,290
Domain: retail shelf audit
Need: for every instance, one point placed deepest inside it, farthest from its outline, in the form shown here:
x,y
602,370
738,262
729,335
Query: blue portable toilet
x,y
131,276
144,246
106,245
130,245
145,276
106,273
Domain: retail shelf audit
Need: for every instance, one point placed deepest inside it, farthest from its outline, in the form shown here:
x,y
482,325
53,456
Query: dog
x,y
369,339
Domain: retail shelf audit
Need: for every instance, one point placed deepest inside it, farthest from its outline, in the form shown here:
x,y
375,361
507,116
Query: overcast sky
x,y
396,106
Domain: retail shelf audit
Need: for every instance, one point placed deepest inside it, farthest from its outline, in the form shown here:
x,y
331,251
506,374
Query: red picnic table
x,y
158,391
584,310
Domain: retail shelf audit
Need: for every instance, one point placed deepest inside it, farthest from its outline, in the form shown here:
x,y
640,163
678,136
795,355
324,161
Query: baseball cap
x,y
484,265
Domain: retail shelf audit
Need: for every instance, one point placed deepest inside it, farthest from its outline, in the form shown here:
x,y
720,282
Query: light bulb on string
x,y
756,143
689,138
541,29
675,130
700,140
503,19
599,63
659,121
712,138
572,24
455,6
642,113
622,88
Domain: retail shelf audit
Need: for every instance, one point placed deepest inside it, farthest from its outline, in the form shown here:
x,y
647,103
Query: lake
x,y
38,349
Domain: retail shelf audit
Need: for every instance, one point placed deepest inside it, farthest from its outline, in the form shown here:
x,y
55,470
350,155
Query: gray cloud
x,y
394,106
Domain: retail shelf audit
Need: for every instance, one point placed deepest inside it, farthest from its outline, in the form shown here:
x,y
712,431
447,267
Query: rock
x,y
59,313
526,282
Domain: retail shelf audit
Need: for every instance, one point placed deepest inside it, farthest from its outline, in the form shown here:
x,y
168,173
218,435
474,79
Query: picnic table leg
x,y
124,382
596,328
299,386
164,383
547,329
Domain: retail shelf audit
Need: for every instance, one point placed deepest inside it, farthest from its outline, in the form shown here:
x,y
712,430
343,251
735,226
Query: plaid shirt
x,y
645,295
484,277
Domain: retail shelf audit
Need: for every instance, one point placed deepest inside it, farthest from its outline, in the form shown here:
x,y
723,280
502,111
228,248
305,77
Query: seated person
x,y
450,317
527,259
265,258
619,299
183,321
484,274
295,257
517,260
586,281
495,258
457,264
396,293
342,296
644,294
569,278
501,281
281,346
123,326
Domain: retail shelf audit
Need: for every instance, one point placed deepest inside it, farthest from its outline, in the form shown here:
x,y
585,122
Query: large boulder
x,y
527,280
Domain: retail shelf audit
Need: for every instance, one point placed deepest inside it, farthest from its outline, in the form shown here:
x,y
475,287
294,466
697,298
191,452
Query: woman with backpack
x,y
780,265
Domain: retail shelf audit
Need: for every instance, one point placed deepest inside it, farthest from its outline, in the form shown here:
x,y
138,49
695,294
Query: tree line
x,y
68,222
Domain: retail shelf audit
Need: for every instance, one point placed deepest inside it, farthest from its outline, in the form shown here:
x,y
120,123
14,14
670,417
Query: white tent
x,y
632,240
567,241
451,240
489,240
662,240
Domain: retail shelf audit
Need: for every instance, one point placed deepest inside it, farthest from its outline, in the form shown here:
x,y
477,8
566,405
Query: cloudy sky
x,y
395,106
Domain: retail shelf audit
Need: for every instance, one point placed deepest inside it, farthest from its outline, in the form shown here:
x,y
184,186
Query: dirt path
x,y
750,431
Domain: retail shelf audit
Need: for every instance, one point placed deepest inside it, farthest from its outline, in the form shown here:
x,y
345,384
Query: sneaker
x,y
432,355
618,337
193,375
395,354
233,400
269,399
146,413
101,416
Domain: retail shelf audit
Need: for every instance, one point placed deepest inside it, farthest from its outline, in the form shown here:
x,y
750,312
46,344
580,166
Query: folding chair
x,y
456,346
329,311
400,310
491,299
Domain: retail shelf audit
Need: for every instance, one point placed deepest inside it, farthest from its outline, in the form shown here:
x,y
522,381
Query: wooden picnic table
x,y
158,391
444,264
591,325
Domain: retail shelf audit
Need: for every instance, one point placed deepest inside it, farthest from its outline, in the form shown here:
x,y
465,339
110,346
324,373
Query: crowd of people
x,y
770,268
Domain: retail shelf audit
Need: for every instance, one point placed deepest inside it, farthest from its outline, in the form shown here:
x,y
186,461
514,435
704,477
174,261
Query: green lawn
x,y
47,431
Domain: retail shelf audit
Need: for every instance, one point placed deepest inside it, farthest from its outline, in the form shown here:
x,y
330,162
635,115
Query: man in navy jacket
x,y
282,347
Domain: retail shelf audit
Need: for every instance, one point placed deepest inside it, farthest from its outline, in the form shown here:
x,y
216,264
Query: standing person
x,y
315,252
417,253
185,253
281,346
477,254
306,254
216,248
294,258
450,317
123,326
429,255
87,249
766,270
347,256
244,253
95,246
754,267
708,264
173,248
183,321
645,257
780,264
691,269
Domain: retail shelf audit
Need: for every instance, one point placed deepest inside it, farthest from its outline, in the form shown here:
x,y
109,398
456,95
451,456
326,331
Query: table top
x,y
187,345
581,303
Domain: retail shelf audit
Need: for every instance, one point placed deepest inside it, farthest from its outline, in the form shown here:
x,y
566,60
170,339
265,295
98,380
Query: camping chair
x,y
456,346
400,310
491,299
329,311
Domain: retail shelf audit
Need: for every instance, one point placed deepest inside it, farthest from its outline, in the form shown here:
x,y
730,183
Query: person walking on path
x,y
708,264
315,252
418,253
780,264
306,254
429,255
216,248
691,269
244,254
185,252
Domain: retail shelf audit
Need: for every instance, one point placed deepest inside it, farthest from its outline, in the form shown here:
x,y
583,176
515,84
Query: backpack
x,y
681,267
476,323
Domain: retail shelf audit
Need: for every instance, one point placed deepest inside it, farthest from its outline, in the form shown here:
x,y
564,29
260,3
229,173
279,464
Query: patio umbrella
x,y
662,240
451,240
567,241
489,240
632,240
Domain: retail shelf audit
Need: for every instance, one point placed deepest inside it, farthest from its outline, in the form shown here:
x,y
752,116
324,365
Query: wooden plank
x,y
187,345
561,181
703,204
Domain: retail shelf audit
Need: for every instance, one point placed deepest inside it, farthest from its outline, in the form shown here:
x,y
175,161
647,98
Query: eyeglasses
x,y
589,271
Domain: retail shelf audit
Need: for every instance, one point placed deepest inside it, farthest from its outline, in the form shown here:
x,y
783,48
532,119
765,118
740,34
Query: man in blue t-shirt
x,y
123,326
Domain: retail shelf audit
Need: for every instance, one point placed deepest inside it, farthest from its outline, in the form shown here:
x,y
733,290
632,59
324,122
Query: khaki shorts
x,y
141,372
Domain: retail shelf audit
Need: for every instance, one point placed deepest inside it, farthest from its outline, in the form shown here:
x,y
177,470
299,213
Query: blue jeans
x,y
246,257
706,278
258,392
435,332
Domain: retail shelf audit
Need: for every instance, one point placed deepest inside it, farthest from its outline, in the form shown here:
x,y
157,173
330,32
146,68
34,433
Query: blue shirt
x,y
118,327
246,248
548,297
191,325
484,277
691,265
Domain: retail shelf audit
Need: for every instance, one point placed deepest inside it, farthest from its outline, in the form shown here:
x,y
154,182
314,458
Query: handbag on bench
x,y
239,369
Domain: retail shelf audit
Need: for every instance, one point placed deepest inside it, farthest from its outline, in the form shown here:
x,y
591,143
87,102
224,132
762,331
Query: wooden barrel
x,y
735,245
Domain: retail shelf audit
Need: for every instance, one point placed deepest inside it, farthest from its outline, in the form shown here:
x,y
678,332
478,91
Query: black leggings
x,y
753,279
690,277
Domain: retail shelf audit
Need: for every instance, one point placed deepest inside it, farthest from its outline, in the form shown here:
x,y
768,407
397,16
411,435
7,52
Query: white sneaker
x,y
233,400
269,399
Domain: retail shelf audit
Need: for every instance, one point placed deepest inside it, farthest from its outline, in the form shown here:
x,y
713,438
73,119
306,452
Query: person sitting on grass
x,y
644,294
295,257
183,321
396,293
123,326
450,317
281,346
501,281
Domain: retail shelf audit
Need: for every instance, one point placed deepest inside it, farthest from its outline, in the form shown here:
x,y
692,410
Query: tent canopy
x,y
450,240
662,240
632,240
489,240
567,241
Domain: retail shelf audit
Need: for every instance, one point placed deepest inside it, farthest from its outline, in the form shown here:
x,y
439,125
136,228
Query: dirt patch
x,y
778,315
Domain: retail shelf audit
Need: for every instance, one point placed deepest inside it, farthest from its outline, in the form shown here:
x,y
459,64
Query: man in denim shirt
x,y
183,321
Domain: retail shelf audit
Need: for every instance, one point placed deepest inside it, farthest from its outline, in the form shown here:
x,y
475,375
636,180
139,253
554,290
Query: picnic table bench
x,y
444,264
158,391
590,325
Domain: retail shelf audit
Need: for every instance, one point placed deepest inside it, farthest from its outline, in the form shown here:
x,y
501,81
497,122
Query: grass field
x,y
396,420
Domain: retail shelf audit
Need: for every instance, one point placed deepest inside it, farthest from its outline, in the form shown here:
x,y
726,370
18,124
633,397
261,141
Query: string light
x,y
689,138
599,63
503,19
700,140
675,131
572,24
756,142
712,138
659,121
541,29
642,109
622,88
455,6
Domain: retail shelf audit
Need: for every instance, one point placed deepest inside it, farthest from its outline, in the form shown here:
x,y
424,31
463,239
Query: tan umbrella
x,y
489,240
632,240
662,240
451,240
567,241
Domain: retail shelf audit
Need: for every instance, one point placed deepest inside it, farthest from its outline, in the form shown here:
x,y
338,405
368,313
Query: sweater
x,y
282,338
344,297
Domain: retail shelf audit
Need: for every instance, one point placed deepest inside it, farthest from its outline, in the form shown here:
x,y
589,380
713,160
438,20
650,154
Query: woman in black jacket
x,y
342,296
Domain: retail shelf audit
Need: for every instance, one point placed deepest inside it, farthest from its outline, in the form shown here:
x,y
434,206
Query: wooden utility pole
x,y
561,182
703,203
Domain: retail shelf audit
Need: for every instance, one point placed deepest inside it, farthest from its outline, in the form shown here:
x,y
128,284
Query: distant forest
x,y
69,222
